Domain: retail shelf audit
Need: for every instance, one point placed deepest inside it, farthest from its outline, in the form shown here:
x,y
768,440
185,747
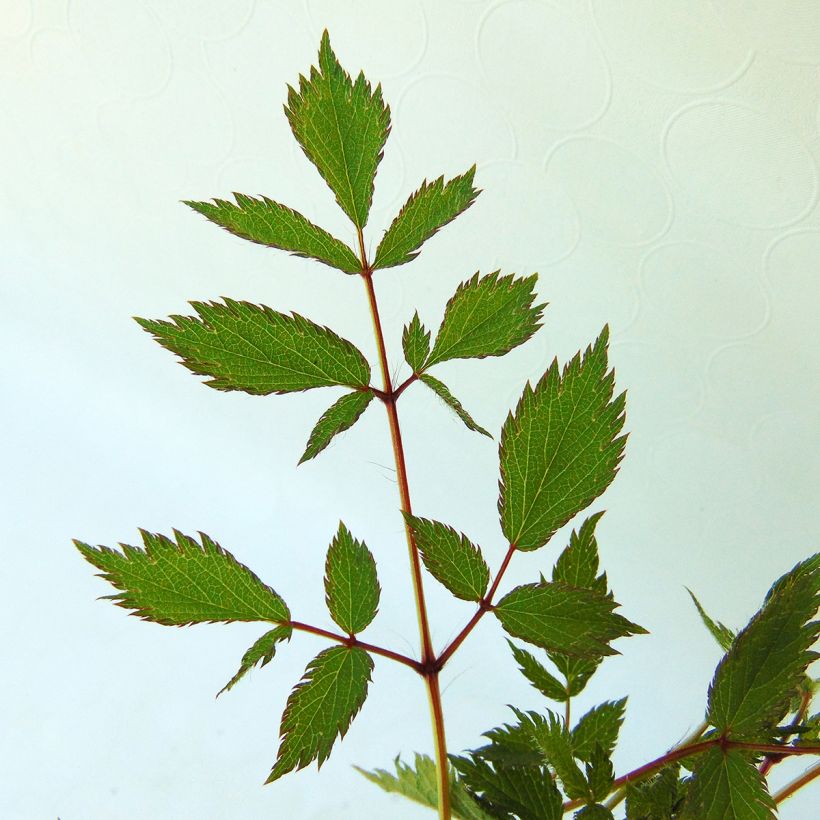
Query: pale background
x,y
657,163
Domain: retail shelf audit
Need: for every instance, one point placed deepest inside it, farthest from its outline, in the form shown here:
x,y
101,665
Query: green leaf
x,y
514,745
340,416
754,683
593,812
598,727
351,587
268,223
560,449
321,707
722,634
526,791
538,676
415,340
431,207
727,787
451,558
443,392
564,619
577,671
252,348
261,653
487,317
577,565
342,127
556,744
419,782
656,798
600,773
183,582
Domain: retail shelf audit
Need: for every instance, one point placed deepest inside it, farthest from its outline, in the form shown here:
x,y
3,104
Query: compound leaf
x,y
560,449
415,340
351,587
721,633
261,653
443,392
342,126
268,223
754,683
252,348
564,619
727,786
451,558
487,317
599,727
340,416
546,683
183,582
431,207
321,707
420,784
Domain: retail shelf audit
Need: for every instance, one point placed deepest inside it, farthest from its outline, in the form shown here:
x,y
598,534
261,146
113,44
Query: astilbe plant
x,y
559,450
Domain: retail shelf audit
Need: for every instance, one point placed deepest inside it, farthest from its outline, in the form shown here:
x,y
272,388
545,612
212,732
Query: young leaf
x,y
451,558
754,683
577,565
183,582
321,707
351,587
420,783
415,339
564,619
443,392
538,676
268,223
342,127
656,798
600,773
487,317
261,653
599,727
428,209
594,811
340,416
521,790
252,348
577,671
556,744
727,786
722,634
515,745
560,449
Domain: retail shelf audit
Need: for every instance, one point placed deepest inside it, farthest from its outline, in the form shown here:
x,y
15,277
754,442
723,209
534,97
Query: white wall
x,y
656,163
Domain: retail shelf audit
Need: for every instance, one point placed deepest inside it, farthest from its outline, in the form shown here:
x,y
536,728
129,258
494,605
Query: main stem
x,y
430,670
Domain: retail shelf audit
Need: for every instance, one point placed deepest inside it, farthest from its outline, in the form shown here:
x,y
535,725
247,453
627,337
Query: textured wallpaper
x,y
655,162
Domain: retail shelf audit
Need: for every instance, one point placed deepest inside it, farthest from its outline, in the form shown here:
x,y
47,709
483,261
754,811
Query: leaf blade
x,y
182,582
720,632
415,341
321,707
261,652
339,417
427,210
274,225
257,350
443,392
600,726
342,127
546,683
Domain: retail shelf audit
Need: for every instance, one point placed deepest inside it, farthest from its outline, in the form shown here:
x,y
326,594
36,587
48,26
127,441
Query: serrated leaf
x,y
419,783
577,565
431,207
727,786
487,317
443,392
351,587
514,745
600,773
556,743
722,634
415,340
261,653
754,683
342,126
593,812
252,348
526,791
598,727
451,558
183,582
564,619
560,449
340,416
547,684
656,798
269,223
577,671
321,707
